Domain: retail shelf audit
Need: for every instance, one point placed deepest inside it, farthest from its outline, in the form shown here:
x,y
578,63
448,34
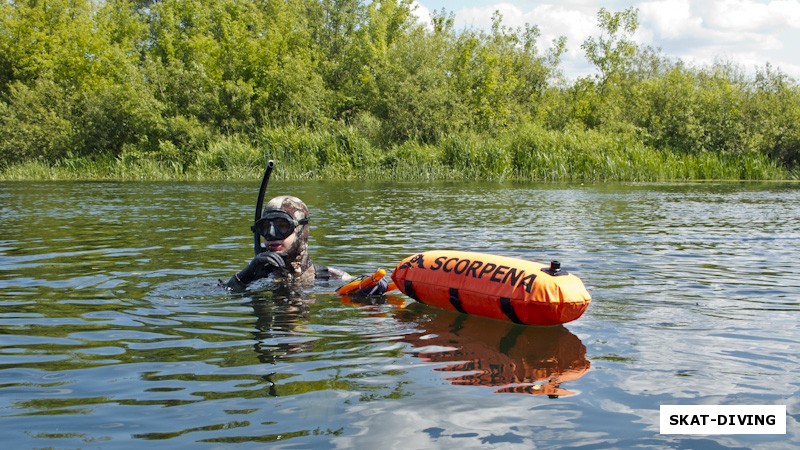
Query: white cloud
x,y
422,13
750,15
742,31
671,19
738,15
789,10
576,24
481,17
748,32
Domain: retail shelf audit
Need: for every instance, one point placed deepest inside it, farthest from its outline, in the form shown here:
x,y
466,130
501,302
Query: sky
x,y
750,33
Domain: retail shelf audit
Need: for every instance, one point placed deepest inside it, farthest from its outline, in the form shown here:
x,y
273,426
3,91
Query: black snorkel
x,y
257,248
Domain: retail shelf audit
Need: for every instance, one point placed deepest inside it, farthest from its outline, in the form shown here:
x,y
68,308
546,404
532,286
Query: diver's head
x,y
284,225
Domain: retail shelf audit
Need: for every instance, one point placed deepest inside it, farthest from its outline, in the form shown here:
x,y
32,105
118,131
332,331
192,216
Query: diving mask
x,y
277,225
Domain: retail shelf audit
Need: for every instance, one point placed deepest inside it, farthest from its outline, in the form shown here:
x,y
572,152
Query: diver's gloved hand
x,y
260,267
378,289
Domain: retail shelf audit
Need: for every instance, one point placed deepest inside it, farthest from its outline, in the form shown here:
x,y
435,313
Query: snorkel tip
x,y
257,247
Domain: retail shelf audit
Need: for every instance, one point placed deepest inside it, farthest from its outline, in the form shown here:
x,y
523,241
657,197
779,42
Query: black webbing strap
x,y
409,290
508,310
455,301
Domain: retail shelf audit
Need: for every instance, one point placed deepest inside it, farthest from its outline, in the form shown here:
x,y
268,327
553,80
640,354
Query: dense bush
x,y
350,88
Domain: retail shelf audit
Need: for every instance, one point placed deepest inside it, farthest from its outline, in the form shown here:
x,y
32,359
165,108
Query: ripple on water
x,y
114,328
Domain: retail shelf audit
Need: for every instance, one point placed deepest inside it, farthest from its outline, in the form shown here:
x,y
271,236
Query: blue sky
x,y
750,33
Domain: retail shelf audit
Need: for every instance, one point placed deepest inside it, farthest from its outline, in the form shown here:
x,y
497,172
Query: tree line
x,y
357,88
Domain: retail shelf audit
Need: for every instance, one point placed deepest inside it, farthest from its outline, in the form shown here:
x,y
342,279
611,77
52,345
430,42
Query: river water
x,y
114,334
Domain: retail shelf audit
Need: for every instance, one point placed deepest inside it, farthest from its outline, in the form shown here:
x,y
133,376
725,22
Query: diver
x,y
284,228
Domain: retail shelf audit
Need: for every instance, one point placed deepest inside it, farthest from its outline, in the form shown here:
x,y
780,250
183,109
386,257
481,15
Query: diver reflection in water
x,y
513,358
279,313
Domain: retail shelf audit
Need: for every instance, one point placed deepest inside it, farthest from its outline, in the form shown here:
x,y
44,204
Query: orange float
x,y
493,286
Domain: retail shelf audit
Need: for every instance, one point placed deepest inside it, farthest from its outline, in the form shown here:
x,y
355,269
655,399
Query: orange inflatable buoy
x,y
493,286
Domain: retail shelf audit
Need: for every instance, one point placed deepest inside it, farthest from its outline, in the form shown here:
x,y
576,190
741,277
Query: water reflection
x,y
512,358
279,312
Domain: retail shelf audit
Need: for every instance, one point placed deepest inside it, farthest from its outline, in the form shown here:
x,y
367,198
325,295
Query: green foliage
x,y
33,123
613,51
412,160
358,89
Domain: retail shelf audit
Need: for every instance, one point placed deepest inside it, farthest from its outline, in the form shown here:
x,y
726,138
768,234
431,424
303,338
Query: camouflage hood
x,y
298,253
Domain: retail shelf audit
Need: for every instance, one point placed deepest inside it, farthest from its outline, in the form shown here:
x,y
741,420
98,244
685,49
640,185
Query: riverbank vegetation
x,y
191,89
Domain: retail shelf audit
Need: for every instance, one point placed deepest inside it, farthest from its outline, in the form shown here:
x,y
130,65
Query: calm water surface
x,y
113,333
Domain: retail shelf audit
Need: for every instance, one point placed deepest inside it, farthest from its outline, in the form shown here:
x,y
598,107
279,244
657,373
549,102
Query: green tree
x,y
613,50
334,27
411,95
774,109
74,86
612,53
34,122
333,83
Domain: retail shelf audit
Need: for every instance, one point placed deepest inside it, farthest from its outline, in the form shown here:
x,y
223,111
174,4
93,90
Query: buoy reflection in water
x,y
512,358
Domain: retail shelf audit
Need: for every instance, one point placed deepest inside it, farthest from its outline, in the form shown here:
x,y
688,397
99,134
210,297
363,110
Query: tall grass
x,y
525,153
